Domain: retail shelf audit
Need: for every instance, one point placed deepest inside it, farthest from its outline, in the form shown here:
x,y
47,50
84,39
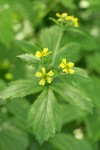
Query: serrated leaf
x,y
30,58
82,74
27,47
73,95
20,88
68,142
79,77
11,138
44,116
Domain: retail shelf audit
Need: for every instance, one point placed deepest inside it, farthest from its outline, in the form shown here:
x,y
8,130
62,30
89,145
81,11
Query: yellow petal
x,y
38,74
64,60
42,82
76,24
71,71
43,70
49,80
75,19
58,15
70,64
50,73
64,14
45,50
65,70
62,65
38,54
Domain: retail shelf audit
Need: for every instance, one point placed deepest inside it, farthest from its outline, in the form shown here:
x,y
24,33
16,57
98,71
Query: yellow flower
x,y
61,17
42,53
73,19
67,67
45,77
64,17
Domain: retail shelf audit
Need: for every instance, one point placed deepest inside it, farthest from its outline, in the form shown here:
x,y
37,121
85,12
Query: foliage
x,y
31,115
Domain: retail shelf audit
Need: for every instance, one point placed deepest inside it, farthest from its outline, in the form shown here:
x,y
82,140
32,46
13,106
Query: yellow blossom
x,y
73,19
67,67
44,77
64,17
61,17
42,53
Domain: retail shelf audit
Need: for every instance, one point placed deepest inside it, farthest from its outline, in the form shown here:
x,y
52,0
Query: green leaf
x,y
73,95
68,111
6,27
20,88
11,138
2,85
30,58
81,74
27,47
90,62
49,37
70,51
44,116
19,108
68,142
68,3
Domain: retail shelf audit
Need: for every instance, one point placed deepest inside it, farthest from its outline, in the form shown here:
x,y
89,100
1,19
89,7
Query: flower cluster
x,y
47,77
64,17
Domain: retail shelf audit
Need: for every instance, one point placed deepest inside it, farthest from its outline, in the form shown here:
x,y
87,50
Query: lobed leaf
x,y
27,47
44,116
73,95
20,88
30,58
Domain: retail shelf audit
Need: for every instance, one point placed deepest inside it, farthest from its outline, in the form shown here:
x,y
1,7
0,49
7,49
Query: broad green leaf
x,y
93,62
70,51
49,37
73,95
20,88
30,58
68,3
27,47
11,138
6,26
19,108
81,74
44,116
93,90
68,142
70,113
92,124
77,79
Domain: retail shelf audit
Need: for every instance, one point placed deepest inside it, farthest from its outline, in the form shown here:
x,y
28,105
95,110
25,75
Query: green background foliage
x,y
25,27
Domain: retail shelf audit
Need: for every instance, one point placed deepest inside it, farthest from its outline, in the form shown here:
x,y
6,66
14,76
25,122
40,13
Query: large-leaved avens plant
x,y
54,78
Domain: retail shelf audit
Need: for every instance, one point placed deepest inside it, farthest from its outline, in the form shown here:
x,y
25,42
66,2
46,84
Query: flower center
x,y
44,76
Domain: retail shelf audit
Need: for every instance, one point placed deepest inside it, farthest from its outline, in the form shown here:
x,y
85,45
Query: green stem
x,y
56,49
